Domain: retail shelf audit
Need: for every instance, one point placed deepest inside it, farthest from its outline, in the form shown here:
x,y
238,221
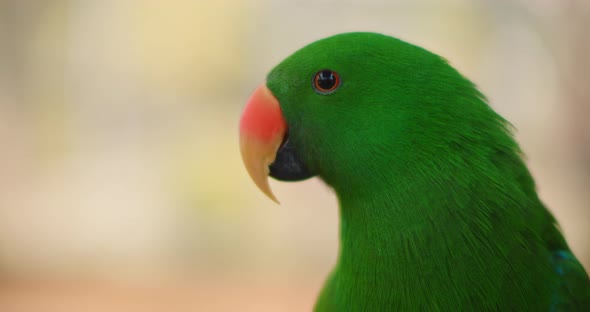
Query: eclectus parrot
x,y
438,211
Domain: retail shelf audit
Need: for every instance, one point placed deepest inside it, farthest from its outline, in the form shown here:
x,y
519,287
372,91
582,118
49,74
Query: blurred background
x,y
121,184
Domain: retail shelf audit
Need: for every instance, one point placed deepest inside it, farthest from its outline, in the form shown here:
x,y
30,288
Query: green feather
x,y
438,210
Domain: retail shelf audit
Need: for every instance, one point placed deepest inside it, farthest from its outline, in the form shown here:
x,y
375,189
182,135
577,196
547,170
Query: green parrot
x,y
438,211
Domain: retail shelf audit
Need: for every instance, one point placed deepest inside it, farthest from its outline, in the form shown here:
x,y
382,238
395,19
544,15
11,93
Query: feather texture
x,y
438,210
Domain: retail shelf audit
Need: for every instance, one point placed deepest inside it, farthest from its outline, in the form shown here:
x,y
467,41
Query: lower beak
x,y
262,128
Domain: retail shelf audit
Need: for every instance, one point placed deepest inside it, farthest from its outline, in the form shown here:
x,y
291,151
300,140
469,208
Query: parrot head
x,y
354,107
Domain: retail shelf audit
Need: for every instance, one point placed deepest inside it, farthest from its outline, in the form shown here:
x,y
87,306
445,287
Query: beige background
x,y
121,185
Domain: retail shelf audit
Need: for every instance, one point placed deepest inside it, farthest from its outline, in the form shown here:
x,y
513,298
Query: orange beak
x,y
262,128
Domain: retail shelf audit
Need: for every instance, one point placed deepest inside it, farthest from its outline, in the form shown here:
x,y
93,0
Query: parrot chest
x,y
428,270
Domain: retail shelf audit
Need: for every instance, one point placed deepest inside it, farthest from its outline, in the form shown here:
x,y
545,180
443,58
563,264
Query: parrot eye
x,y
326,81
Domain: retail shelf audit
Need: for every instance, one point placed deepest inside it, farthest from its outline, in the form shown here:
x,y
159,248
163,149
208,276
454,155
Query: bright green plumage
x,y
438,211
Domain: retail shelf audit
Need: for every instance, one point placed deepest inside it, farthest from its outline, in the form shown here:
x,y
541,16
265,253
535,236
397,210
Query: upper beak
x,y
262,128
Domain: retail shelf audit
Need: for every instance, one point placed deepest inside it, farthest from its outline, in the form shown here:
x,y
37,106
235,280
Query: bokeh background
x,y
121,185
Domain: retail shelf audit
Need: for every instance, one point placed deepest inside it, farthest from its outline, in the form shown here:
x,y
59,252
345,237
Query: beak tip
x,y
264,186
274,199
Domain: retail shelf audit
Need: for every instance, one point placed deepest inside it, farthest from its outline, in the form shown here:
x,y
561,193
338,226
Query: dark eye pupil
x,y
326,80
